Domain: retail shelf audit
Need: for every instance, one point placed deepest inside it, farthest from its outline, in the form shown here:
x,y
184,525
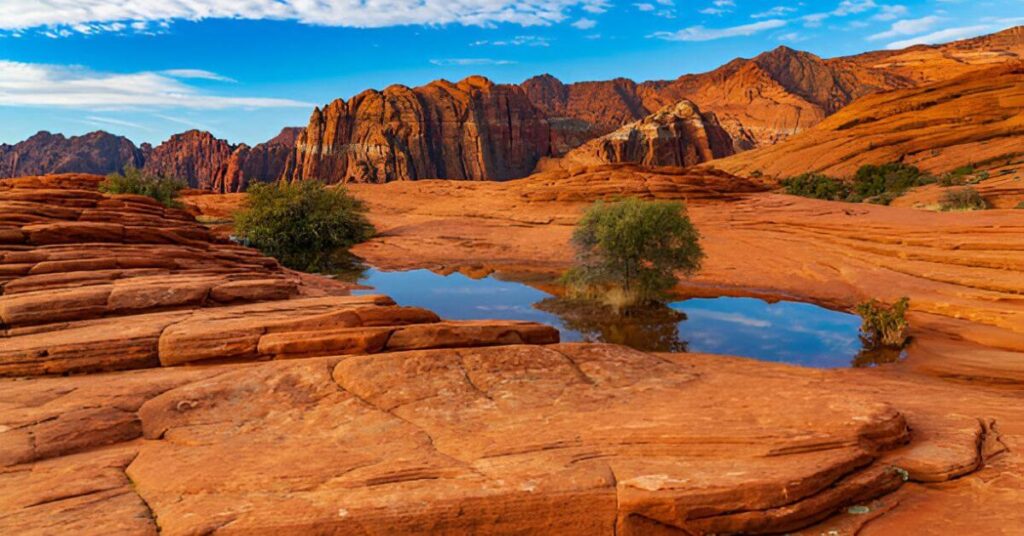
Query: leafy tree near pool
x,y
302,224
628,252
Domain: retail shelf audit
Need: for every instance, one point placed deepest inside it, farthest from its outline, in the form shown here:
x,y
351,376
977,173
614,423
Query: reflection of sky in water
x,y
785,331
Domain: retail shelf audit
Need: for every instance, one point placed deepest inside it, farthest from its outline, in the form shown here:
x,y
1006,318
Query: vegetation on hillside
x,y
629,252
305,225
134,181
873,184
962,199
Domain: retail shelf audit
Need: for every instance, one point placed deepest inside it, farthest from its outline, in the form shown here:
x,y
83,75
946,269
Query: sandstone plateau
x,y
216,392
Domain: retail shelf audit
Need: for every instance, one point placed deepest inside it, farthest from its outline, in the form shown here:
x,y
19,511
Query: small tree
x,y
884,326
962,199
303,224
135,181
628,252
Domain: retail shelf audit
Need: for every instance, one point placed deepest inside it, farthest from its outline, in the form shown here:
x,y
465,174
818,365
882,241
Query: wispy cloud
x,y
941,36
445,62
777,11
907,27
517,41
197,74
700,33
890,12
68,86
96,120
64,17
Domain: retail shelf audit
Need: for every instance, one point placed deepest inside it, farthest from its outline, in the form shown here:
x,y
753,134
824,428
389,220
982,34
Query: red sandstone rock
x,y
678,135
96,152
470,130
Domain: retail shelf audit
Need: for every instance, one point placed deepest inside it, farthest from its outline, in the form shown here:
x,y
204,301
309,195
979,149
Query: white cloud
x,y
777,11
197,74
907,27
850,7
890,12
584,24
814,19
517,41
700,33
97,15
644,7
941,36
37,84
101,121
713,11
462,62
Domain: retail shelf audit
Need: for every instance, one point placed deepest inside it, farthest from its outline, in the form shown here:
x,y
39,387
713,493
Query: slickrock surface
x,y
306,410
1003,189
474,129
677,135
938,128
567,439
92,282
964,272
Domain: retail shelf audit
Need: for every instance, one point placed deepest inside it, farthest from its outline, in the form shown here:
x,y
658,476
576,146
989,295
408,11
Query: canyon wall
x,y
474,129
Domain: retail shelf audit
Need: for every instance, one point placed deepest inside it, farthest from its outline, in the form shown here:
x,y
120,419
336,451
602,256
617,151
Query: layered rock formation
x,y
209,163
677,135
474,129
91,282
973,118
96,152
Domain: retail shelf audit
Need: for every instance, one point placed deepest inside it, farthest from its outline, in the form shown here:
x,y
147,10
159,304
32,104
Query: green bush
x,y
881,184
818,186
963,199
1020,205
304,224
628,252
135,181
883,326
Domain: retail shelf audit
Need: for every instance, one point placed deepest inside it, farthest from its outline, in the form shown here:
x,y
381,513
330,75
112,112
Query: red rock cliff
x,y
677,135
96,152
471,130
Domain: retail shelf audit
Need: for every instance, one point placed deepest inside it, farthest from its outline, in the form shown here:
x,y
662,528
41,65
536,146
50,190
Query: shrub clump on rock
x,y
135,181
305,225
871,184
963,199
884,326
628,252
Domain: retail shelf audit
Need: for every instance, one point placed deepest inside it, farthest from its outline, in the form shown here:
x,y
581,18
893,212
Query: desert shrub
x,y
883,183
303,224
816,185
1020,205
963,199
628,252
882,325
135,181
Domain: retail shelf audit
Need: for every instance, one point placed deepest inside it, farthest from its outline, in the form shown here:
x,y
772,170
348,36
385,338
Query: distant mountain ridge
x,y
478,130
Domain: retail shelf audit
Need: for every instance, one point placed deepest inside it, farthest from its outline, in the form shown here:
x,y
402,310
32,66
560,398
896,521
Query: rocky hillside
x,y
474,129
677,135
765,99
96,152
205,161
938,127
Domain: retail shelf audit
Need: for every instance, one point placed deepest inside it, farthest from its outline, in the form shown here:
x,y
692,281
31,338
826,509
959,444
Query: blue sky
x,y
147,69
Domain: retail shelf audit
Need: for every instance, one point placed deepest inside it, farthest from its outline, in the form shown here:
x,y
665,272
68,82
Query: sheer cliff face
x,y
473,130
209,163
96,152
677,135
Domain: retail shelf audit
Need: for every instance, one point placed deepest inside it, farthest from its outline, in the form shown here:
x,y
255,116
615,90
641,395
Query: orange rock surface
x,y
939,127
348,421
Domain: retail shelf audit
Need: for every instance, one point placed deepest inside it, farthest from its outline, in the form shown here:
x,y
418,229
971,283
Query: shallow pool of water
x,y
790,332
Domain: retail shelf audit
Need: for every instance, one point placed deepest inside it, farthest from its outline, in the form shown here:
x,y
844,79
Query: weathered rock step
x,y
406,442
138,295
264,330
